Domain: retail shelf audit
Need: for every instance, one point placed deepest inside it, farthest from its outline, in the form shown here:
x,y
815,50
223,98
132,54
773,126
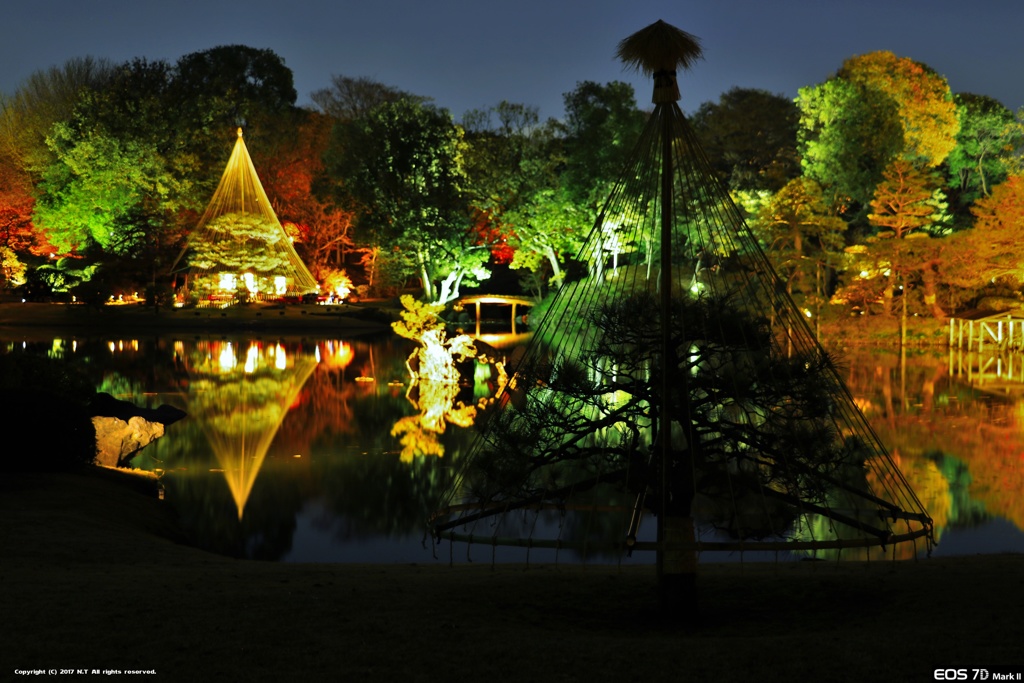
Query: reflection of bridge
x,y
991,370
493,323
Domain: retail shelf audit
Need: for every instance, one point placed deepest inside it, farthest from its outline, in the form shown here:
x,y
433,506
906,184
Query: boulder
x,y
117,440
123,428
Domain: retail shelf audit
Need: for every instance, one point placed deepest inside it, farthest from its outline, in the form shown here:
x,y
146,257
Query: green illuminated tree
x,y
400,169
513,163
119,186
509,155
803,238
988,132
602,124
848,134
878,108
45,98
91,193
547,230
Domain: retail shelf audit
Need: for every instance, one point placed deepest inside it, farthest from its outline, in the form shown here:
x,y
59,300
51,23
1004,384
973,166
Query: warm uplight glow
x,y
280,358
227,358
252,357
239,231
337,354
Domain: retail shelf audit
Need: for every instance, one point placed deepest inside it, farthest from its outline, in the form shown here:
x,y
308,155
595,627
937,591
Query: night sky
x,y
468,54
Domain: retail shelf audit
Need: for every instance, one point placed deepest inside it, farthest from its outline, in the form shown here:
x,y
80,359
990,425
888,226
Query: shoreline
x,y
135,318
96,575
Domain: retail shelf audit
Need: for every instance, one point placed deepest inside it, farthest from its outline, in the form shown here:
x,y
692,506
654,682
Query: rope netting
x,y
239,249
675,379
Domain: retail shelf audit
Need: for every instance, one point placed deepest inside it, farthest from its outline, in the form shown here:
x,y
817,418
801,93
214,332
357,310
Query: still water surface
x,y
309,449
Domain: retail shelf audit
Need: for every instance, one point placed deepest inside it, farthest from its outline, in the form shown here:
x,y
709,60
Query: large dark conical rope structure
x,y
676,378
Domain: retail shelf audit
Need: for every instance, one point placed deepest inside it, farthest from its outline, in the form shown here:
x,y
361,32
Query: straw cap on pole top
x,y
658,50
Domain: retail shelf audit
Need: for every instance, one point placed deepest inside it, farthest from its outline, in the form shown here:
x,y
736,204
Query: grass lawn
x,y
95,576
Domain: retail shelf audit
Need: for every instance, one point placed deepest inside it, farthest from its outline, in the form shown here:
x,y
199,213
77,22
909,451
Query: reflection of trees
x,y
326,410
436,378
341,425
972,438
377,493
438,406
925,480
208,511
753,442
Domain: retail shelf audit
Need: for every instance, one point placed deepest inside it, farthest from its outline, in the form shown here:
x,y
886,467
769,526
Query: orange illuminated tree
x,y
323,232
907,206
924,102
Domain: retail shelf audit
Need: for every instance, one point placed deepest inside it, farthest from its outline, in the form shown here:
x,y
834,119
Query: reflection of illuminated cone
x,y
240,406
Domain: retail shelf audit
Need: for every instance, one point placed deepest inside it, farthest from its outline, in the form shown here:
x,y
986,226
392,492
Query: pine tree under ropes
x,y
678,382
239,245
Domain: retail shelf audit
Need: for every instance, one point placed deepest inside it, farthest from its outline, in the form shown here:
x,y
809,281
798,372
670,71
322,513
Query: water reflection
x,y
239,394
439,367
293,448
958,438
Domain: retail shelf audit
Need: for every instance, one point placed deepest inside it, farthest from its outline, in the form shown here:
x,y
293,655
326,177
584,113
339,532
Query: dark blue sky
x,y
473,53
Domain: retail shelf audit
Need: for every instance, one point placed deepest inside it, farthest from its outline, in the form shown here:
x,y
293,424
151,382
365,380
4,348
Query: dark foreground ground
x,y
93,577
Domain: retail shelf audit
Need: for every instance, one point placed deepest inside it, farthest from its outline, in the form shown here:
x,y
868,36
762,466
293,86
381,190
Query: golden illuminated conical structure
x,y
239,246
676,382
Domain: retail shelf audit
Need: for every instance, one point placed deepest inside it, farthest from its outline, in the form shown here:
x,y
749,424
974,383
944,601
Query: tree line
x,y
878,190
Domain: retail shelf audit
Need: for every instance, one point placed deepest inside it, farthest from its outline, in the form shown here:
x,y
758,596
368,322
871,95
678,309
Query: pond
x,y
302,449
